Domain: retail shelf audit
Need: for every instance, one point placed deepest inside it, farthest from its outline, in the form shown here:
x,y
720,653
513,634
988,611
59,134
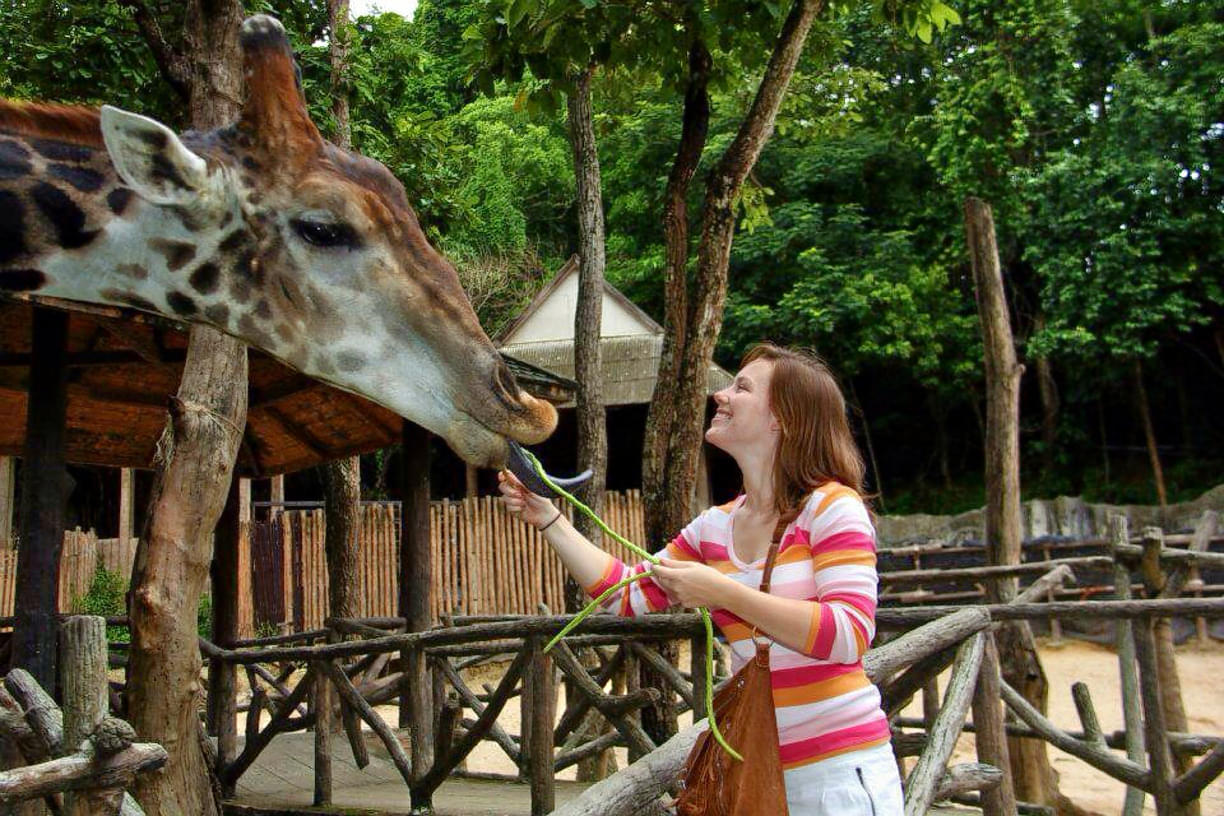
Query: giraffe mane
x,y
77,124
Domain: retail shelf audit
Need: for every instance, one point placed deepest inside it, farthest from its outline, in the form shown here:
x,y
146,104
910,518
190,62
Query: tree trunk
x,y
197,454
661,416
342,518
1033,777
198,449
222,676
669,511
338,25
592,430
1048,389
1149,434
44,496
588,329
677,411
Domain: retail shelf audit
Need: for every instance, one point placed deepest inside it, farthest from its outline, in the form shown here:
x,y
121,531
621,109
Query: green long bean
x,y
593,605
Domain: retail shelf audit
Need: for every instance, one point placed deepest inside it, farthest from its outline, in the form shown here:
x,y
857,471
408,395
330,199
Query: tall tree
x,y
207,418
342,477
997,112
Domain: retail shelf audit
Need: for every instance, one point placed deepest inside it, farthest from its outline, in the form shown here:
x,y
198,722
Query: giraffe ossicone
x,y
264,230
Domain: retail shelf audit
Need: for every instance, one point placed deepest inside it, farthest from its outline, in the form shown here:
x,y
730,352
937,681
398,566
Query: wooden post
x,y
1155,732
930,768
222,676
276,493
127,504
1156,582
83,646
539,699
1119,534
415,578
698,664
471,487
991,737
244,499
1033,776
322,739
8,482
930,702
44,493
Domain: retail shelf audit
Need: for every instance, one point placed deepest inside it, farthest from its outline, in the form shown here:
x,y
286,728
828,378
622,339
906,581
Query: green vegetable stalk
x,y
593,605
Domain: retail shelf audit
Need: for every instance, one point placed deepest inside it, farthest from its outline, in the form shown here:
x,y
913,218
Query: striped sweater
x,y
824,702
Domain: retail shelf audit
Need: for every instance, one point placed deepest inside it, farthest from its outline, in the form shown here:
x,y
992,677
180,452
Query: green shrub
x,y
204,617
107,597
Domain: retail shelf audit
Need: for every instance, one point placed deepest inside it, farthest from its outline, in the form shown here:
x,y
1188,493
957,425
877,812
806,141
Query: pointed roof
x,y
550,314
630,345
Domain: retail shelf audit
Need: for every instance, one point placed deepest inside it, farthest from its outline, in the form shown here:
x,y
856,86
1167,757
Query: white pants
x,y
860,783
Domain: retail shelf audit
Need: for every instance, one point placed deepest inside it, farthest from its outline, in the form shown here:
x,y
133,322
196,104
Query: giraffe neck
x,y
70,229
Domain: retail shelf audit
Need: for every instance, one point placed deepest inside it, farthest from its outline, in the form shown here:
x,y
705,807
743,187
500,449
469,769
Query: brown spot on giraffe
x,y
12,227
178,253
133,271
218,314
118,199
65,217
206,278
21,280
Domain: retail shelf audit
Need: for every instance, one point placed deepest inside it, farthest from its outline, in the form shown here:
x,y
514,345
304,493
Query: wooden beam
x,y
93,359
365,410
307,440
282,389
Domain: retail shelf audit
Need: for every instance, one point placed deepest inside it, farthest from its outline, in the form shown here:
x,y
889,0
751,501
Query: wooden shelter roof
x,y
629,363
123,366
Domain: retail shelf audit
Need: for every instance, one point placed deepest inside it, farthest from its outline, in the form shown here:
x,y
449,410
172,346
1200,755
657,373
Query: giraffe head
x,y
313,254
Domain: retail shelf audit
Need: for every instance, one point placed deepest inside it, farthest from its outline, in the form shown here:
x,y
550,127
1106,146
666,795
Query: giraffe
x,y
263,230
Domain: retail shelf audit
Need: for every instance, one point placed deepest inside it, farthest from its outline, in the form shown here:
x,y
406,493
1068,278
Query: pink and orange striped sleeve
x,y
842,544
645,595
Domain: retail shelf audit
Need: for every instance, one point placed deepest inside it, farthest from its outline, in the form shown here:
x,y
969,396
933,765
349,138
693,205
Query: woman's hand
x,y
530,507
693,584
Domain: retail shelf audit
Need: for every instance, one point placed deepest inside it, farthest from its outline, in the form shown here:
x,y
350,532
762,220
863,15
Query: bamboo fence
x,y
82,554
485,561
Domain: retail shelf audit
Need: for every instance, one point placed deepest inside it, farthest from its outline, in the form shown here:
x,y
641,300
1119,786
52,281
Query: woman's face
x,y
743,419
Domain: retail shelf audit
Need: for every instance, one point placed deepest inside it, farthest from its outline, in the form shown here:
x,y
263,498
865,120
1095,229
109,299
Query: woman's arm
x,y
836,630
586,562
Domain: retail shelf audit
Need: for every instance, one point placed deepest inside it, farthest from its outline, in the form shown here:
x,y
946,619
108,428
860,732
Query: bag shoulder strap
x,y
769,564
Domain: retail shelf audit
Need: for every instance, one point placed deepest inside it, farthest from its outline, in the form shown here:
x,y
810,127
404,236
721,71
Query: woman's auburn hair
x,y
815,444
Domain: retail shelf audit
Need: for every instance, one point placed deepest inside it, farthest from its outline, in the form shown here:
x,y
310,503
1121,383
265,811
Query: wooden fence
x,y
485,562
83,553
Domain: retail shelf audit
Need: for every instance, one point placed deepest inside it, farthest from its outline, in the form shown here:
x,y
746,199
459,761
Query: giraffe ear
x,y
151,159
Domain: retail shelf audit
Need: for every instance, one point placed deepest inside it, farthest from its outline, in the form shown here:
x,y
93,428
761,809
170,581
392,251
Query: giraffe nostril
x,y
506,386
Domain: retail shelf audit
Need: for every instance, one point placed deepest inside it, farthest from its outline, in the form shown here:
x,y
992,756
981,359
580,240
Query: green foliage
x,y
1131,211
204,617
88,52
1093,129
107,598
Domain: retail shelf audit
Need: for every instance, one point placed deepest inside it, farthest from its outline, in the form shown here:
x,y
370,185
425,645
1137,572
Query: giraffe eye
x,y
325,233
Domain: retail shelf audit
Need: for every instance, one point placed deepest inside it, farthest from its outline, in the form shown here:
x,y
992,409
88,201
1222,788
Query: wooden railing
x,y
370,661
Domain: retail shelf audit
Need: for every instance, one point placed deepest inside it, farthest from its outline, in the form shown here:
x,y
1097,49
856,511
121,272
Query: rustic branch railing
x,y
363,660
80,760
901,667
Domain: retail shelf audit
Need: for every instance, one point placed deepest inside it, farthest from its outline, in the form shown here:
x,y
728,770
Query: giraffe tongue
x,y
520,465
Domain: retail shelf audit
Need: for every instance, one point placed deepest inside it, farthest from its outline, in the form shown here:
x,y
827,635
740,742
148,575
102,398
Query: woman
x,y
783,419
